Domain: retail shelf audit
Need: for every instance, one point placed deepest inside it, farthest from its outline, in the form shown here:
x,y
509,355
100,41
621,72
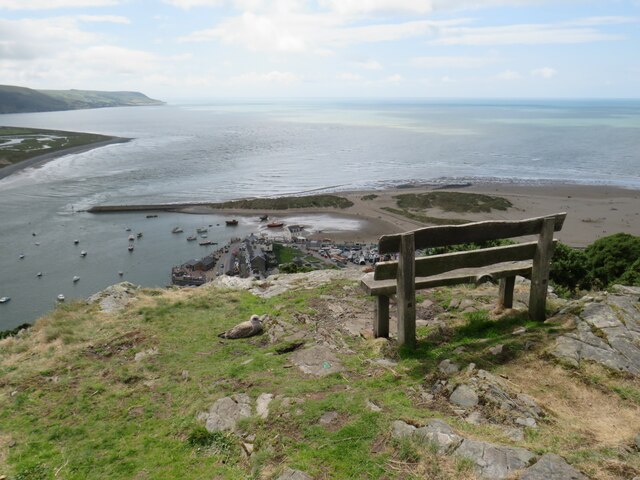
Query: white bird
x,y
251,327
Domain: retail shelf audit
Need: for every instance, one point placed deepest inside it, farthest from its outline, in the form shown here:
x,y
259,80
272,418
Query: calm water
x,y
232,150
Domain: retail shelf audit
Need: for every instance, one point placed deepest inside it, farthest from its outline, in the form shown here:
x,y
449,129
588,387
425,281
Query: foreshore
x,y
40,160
594,211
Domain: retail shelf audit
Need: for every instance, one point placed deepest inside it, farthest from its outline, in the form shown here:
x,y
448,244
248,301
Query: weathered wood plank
x,y
505,293
381,321
540,272
437,264
467,275
406,295
440,236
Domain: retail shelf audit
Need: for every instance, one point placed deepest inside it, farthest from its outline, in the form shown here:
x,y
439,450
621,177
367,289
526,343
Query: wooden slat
x,y
440,236
467,275
505,293
437,264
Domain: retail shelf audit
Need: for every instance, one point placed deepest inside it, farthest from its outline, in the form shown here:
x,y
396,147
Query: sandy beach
x,y
592,211
47,157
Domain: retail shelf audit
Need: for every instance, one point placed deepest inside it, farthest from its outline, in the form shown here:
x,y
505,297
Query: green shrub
x,y
570,268
610,258
632,275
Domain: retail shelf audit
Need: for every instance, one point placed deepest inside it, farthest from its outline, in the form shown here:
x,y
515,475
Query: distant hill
x,y
20,99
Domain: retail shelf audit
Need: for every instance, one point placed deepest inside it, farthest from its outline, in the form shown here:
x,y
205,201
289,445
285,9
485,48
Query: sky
x,y
180,50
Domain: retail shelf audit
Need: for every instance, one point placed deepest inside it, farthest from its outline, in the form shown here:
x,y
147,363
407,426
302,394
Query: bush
x,y
611,257
569,268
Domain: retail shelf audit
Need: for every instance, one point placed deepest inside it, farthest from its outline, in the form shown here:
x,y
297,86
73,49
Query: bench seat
x,y
453,277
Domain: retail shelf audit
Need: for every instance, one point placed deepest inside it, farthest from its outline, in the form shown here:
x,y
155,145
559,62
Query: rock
x,y
475,418
372,406
248,448
459,350
146,353
385,362
400,429
496,350
247,329
225,412
514,434
519,331
625,290
638,441
440,434
317,360
551,467
290,474
464,396
448,368
526,422
262,404
115,298
466,304
185,375
454,303
494,462
328,418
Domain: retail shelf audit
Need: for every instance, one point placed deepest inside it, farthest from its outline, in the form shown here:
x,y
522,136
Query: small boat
x,y
61,298
37,244
203,236
39,274
207,242
177,230
76,278
191,238
128,229
75,242
139,234
131,238
33,234
231,223
275,224
4,299
21,256
121,273
264,218
152,216
202,230
130,248
83,253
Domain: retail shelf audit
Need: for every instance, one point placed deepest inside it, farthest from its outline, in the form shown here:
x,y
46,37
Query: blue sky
x,y
198,49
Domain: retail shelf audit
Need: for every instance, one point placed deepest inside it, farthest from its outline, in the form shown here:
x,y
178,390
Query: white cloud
x,y
187,4
544,72
104,18
369,65
523,34
509,75
350,77
396,78
367,7
453,62
52,4
271,77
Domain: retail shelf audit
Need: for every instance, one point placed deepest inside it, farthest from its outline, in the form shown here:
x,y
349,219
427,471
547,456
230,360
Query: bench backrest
x,y
440,236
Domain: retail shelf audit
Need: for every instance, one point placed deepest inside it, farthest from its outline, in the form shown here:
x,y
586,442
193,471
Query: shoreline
x,y
43,158
594,211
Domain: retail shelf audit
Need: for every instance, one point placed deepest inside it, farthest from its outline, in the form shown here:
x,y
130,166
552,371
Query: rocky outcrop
x,y
317,360
225,412
607,331
490,460
114,298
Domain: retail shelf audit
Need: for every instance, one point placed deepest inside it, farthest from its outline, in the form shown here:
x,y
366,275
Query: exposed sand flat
x,y
593,211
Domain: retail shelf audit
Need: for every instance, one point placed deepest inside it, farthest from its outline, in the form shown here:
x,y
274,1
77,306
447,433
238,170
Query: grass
x,y
35,143
453,202
285,203
425,218
75,403
371,196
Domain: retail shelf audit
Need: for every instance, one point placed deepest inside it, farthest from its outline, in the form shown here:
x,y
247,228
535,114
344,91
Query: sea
x,y
228,149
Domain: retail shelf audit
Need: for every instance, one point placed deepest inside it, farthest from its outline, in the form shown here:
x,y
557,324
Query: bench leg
x,y
540,272
381,322
506,292
406,293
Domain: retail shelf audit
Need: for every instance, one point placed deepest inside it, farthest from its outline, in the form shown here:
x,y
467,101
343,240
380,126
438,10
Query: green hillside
x,y
21,100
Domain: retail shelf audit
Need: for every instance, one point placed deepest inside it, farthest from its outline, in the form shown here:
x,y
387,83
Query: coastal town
x,y
257,256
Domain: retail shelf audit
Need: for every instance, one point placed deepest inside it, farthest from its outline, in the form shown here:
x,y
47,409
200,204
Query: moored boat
x,y
152,216
83,253
139,235
130,248
264,218
202,230
4,299
177,230
76,278
191,238
131,238
231,223
275,224
76,241
60,298
39,274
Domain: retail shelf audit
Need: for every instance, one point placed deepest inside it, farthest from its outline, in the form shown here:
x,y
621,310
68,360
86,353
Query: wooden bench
x,y
408,273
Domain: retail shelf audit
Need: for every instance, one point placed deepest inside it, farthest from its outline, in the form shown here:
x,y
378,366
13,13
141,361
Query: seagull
x,y
246,329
